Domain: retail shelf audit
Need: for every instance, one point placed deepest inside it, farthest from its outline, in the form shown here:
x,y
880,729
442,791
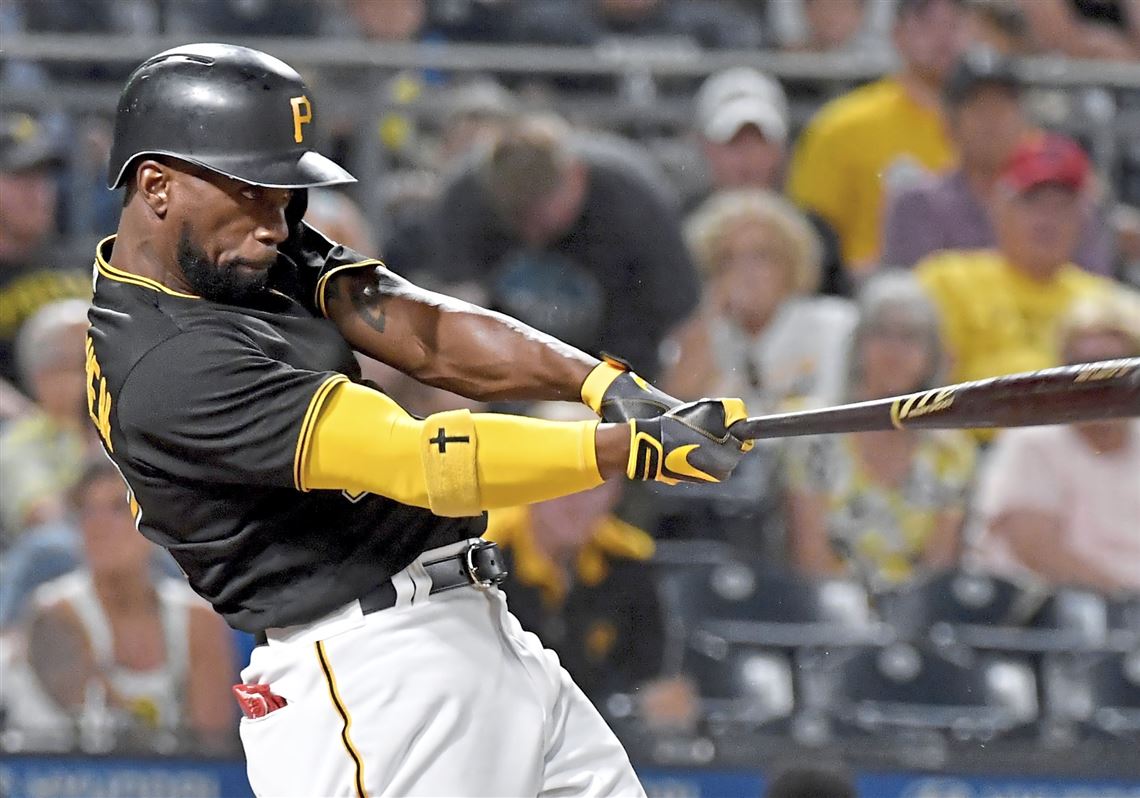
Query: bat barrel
x,y
1091,391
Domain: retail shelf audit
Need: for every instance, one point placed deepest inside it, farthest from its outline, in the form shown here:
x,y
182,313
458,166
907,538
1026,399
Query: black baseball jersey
x,y
207,410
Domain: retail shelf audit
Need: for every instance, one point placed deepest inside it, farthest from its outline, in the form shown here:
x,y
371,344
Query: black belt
x,y
479,565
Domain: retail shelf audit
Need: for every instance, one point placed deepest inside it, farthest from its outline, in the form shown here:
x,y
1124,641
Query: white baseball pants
x,y
441,695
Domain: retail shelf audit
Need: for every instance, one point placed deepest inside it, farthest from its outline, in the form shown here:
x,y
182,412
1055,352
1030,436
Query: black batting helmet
x,y
234,110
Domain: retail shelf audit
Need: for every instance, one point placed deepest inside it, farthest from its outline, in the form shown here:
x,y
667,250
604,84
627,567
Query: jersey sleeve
x,y
312,259
209,405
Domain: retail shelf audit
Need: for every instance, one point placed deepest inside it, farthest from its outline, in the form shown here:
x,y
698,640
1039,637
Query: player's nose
x,y
272,228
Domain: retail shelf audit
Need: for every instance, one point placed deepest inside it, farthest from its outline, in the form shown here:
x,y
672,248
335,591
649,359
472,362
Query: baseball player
x,y
309,508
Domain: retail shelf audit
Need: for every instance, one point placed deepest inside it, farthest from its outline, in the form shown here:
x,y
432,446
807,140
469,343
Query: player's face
x,y
228,233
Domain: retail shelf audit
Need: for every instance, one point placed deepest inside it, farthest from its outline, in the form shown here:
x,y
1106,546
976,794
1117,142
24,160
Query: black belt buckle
x,y
484,564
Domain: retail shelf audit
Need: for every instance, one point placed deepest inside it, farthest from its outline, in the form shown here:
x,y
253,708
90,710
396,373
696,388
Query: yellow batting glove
x,y
616,394
690,443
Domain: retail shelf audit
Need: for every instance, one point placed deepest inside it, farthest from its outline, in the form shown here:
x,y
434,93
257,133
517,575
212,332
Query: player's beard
x,y
236,283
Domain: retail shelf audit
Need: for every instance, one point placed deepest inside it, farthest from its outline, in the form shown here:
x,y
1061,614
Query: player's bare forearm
x,y
452,344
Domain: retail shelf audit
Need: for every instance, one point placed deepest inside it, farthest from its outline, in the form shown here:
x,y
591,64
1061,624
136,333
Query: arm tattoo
x,y
368,301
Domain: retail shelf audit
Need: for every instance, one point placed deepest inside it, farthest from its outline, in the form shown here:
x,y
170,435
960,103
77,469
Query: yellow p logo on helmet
x,y
302,115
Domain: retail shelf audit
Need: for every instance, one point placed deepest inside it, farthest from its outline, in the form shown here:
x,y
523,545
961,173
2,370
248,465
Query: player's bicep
x,y
207,407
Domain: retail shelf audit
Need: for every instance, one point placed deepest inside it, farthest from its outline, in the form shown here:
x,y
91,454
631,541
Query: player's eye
x,y
251,193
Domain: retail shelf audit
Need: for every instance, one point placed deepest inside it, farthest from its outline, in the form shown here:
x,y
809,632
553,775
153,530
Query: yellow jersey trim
x,y
321,283
111,273
308,423
342,710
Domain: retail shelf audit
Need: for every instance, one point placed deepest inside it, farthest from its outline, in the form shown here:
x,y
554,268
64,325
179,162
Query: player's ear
x,y
152,181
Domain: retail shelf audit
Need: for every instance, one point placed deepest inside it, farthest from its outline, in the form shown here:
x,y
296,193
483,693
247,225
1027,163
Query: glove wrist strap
x,y
646,452
598,382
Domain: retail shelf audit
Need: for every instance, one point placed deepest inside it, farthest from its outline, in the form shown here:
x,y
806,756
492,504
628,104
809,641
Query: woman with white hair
x,y
41,452
1063,502
760,333
881,506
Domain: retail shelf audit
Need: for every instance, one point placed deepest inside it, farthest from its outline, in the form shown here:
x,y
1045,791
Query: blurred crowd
x,y
927,227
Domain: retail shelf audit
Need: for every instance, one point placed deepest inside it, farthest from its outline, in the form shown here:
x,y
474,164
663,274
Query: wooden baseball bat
x,y
1107,389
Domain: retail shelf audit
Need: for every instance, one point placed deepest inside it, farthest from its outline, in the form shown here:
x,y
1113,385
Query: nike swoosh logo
x,y
677,462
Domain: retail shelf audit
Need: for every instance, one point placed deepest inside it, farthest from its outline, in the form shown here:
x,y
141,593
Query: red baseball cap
x,y
1046,158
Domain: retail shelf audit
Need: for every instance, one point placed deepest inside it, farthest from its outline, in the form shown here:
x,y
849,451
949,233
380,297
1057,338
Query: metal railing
x,y
651,67
658,59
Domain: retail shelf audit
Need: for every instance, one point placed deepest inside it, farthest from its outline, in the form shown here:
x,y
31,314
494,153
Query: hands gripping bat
x,y
1107,389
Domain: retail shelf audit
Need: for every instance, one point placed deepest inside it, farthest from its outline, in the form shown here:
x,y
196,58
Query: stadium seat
x,y
680,570
915,687
741,687
989,612
758,603
1097,692
1123,613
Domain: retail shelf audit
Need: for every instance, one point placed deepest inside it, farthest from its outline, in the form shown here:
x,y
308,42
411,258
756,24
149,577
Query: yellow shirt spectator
x,y
997,319
851,151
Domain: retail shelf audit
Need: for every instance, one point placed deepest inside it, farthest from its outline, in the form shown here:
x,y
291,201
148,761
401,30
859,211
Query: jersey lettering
x,y
98,399
302,115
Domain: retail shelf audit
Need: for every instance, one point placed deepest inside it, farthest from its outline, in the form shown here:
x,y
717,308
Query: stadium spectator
x,y
580,580
821,26
488,21
557,229
28,160
337,216
1000,308
591,22
812,781
760,334
881,135
742,128
999,25
1085,28
476,113
882,506
117,632
40,454
13,404
951,211
91,17
742,132
244,17
1063,502
390,21
1126,223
